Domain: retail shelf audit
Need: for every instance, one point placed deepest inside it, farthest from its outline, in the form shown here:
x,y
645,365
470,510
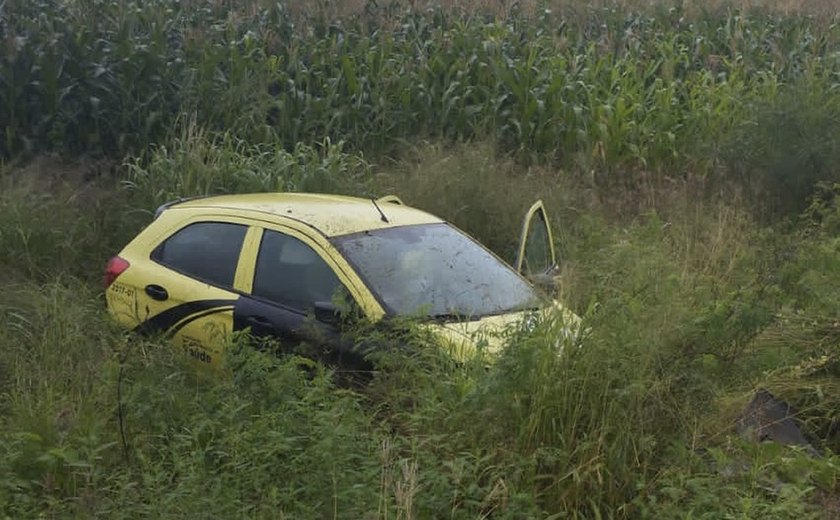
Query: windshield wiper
x,y
454,317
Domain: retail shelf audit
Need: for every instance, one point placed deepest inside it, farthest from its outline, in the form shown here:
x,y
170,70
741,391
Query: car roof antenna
x,y
384,218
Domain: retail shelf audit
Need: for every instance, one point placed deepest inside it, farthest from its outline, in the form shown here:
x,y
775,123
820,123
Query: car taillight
x,y
115,267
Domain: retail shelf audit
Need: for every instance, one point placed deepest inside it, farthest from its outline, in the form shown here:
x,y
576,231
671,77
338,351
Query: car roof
x,y
332,215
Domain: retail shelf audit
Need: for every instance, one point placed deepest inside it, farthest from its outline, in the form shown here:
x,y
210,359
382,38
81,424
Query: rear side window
x,y
292,274
208,251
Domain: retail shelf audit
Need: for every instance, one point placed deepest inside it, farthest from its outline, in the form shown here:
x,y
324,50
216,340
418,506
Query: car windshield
x,y
435,270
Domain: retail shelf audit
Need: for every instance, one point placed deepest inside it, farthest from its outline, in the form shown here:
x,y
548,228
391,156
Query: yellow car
x,y
288,266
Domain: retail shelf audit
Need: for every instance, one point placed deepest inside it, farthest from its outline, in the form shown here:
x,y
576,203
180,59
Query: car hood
x,y
463,339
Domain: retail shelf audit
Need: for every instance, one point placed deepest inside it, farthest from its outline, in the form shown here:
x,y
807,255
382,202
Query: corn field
x,y
598,89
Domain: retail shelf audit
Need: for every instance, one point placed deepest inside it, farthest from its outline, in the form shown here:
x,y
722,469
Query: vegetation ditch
x,y
687,156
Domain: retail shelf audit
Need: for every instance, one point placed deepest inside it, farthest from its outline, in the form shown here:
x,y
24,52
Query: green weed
x,y
196,164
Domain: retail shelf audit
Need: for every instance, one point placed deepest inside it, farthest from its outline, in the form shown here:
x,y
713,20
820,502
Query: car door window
x,y
208,251
536,250
291,273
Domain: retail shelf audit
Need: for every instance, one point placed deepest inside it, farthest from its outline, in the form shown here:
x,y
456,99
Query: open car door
x,y
536,259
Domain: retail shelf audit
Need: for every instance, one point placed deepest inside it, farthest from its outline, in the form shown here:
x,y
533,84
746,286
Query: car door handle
x,y
156,292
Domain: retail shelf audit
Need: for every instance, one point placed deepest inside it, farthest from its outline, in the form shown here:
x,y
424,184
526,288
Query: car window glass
x,y
537,248
291,273
208,251
434,270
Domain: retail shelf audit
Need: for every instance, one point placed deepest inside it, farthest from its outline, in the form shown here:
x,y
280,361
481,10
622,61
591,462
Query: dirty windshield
x,y
435,270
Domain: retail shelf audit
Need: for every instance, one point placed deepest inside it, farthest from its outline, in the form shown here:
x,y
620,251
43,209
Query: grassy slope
x,y
694,301
692,306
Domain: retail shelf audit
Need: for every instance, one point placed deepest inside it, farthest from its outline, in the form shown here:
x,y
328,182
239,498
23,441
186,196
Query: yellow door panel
x,y
203,335
187,298
153,296
123,303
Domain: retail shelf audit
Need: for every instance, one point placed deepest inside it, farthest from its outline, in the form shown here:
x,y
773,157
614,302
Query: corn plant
x,y
605,89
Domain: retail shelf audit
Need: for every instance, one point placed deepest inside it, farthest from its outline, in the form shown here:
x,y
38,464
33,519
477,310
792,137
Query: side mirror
x,y
327,312
548,282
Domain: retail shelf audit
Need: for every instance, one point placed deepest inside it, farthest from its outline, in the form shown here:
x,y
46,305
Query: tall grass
x,y
783,154
130,431
690,306
58,218
198,163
